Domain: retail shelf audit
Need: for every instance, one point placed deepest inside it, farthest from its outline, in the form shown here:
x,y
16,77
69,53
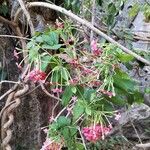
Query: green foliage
x,y
4,8
146,9
147,90
111,9
68,93
134,10
73,5
84,101
137,7
112,143
63,129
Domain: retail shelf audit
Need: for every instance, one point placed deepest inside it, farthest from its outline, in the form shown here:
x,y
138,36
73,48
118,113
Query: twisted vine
x,y
8,117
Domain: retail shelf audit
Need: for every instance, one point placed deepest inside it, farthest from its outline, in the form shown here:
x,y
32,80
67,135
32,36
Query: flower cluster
x,y
74,63
49,145
96,51
109,94
46,144
95,133
117,116
74,81
59,25
37,75
56,90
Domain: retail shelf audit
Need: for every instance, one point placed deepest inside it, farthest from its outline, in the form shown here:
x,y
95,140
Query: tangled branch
x,y
83,22
8,117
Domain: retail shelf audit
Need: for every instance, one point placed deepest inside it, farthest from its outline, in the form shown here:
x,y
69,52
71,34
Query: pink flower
x,y
45,131
56,90
37,75
96,83
87,71
46,144
94,45
108,93
16,54
95,133
74,63
74,98
19,66
73,81
59,25
96,51
117,116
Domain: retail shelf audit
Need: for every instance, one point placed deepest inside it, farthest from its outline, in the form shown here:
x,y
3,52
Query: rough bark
x,y
36,107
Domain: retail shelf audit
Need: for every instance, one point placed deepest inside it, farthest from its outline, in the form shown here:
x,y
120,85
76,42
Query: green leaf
x,y
134,10
125,57
88,111
89,94
125,84
45,61
54,47
78,110
118,100
33,53
65,74
54,38
67,95
50,39
69,132
110,20
55,75
121,74
112,9
80,146
62,121
39,39
147,90
135,97
74,90
103,105
30,44
80,91
4,9
100,2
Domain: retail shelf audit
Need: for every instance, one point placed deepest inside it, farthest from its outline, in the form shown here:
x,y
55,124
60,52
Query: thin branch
x,y
145,145
13,36
7,81
60,113
82,138
9,91
93,19
47,93
27,16
11,23
85,23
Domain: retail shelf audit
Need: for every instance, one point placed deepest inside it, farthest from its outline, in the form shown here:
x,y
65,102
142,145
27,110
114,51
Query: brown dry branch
x,y
5,107
9,91
23,7
85,23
